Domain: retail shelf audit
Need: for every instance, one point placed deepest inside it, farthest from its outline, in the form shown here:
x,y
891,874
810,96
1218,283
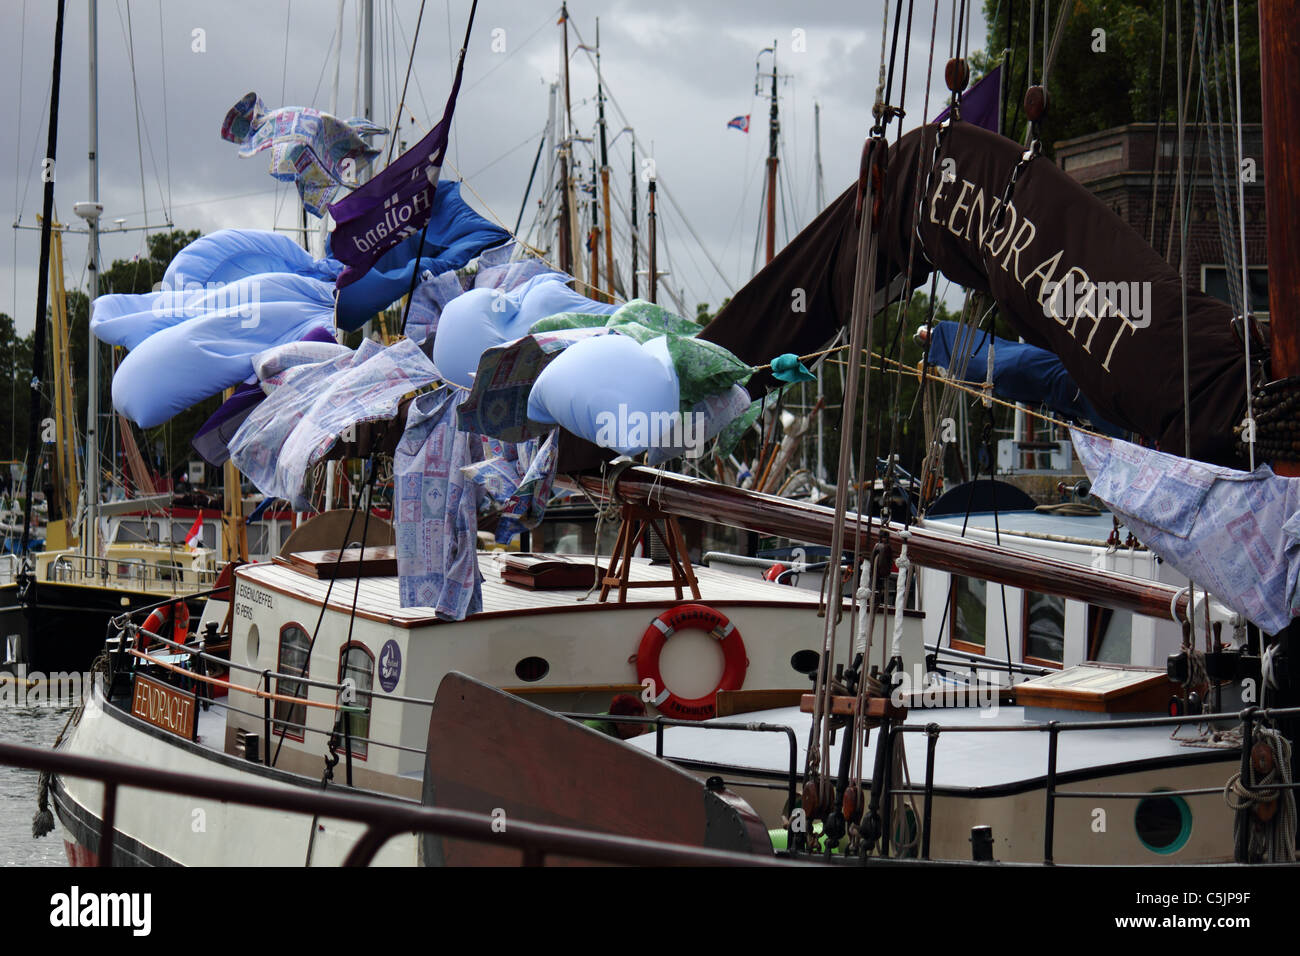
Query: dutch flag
x,y
741,123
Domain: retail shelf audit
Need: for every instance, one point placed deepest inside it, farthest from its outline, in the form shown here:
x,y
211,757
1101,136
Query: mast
x,y
773,131
66,485
817,154
1279,67
368,50
567,263
821,204
43,284
654,256
594,239
636,282
604,175
90,528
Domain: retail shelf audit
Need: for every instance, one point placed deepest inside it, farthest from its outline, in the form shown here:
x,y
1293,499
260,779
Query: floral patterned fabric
x,y
1234,533
286,435
308,147
435,511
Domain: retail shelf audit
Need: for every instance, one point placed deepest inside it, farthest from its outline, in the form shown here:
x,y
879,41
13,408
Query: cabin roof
x,y
377,598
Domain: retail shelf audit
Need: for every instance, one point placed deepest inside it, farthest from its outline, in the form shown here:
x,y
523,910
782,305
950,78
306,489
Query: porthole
x,y
252,645
1163,822
532,669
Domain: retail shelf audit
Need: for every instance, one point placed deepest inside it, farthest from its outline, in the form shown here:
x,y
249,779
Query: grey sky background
x,y
679,70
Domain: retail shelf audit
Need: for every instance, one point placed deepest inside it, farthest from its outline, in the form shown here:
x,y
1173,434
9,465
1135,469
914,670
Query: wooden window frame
x,y
343,654
955,642
276,717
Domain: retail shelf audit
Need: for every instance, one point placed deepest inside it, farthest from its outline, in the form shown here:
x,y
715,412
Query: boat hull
x,y
164,829
65,631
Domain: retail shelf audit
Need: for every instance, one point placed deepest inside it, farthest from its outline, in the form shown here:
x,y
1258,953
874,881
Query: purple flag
x,y
396,203
979,104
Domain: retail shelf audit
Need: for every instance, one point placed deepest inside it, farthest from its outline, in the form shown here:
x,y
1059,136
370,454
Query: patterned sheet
x,y
1235,533
308,147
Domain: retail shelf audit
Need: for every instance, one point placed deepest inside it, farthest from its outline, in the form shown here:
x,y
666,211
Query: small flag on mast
x,y
741,123
195,537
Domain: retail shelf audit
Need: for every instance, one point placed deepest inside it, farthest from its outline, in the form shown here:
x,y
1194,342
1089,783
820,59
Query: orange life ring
x,y
685,617
180,618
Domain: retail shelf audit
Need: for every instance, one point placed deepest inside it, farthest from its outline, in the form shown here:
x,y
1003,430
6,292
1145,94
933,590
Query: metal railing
x,y
660,722
382,819
1248,717
170,576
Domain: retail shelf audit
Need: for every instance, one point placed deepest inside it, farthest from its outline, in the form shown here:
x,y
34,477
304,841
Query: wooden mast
x,y
566,211
773,132
1279,66
604,178
64,461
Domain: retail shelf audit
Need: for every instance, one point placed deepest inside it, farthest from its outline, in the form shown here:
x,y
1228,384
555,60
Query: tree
x,y
1108,68
15,393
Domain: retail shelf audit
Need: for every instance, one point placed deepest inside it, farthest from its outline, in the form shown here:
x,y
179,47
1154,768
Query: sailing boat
x,y
52,613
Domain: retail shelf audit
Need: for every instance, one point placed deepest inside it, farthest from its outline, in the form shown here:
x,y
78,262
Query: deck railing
x,y
382,819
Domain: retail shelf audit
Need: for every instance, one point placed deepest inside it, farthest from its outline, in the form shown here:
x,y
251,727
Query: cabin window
x,y
1110,635
968,614
1044,629
356,664
294,645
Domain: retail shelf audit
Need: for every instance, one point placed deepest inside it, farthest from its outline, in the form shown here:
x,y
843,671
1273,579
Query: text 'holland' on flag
x,y
395,204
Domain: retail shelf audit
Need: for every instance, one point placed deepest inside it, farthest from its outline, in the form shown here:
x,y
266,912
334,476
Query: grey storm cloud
x,y
679,70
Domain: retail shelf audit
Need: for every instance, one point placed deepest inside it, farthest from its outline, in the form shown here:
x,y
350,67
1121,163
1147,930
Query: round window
x,y
532,669
1163,822
252,645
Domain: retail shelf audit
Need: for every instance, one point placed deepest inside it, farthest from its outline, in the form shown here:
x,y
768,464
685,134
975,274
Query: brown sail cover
x,y
1116,324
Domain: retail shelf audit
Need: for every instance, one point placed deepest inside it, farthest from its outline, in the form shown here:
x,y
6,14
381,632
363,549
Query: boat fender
x,y
687,617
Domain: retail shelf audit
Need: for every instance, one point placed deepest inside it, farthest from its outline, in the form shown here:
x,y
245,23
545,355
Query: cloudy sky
x,y
678,70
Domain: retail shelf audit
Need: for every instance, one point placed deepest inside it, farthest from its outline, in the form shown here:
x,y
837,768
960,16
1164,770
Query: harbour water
x,y
36,726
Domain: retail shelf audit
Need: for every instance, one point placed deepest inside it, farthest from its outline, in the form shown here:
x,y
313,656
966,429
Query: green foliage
x,y
702,314
1089,90
15,393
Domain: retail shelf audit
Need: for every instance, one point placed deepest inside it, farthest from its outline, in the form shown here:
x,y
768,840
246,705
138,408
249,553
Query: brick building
x,y
1125,170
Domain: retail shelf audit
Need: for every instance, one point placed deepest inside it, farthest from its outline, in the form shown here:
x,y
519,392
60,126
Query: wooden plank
x,y
1099,690
747,701
356,562
164,706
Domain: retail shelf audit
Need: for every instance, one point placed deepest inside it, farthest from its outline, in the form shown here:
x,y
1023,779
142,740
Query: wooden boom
x,y
801,521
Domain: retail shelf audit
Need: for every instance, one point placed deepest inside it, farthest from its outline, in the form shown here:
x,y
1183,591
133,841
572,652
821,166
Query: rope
x,y
1271,841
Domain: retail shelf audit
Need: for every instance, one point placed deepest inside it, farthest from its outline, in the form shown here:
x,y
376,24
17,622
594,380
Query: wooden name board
x,y
163,706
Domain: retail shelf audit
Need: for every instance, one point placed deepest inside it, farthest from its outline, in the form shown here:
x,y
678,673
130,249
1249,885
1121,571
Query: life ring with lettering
x,y
178,614
691,617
